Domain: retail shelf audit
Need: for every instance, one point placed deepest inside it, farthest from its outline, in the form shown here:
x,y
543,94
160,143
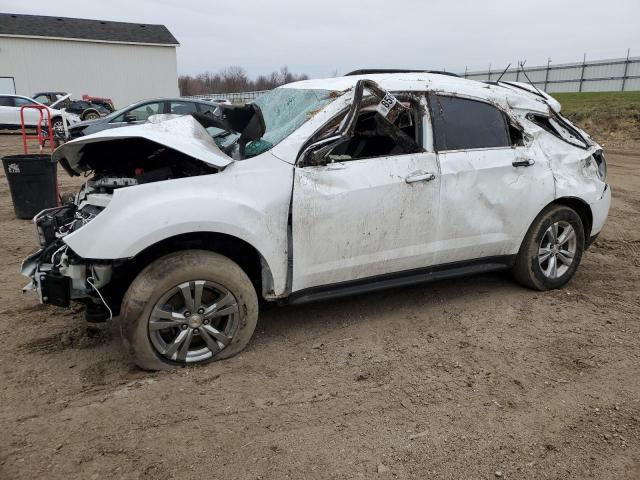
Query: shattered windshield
x,y
284,110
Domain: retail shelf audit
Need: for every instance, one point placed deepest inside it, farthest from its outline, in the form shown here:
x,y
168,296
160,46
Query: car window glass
x,y
22,101
374,136
204,108
142,113
44,99
461,124
6,102
182,108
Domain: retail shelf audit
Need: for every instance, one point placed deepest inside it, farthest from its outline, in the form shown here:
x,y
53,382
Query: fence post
x,y
489,73
465,71
518,72
626,69
546,75
584,60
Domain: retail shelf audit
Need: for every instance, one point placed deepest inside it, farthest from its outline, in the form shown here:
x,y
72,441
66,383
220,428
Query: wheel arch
x,y
581,207
248,258
583,210
252,262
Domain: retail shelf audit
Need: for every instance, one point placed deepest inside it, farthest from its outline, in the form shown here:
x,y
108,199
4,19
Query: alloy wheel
x,y
193,321
557,249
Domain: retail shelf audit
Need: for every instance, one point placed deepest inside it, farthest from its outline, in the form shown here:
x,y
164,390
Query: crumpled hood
x,y
184,134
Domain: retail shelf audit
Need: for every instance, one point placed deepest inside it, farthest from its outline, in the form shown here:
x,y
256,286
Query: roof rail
x,y
370,71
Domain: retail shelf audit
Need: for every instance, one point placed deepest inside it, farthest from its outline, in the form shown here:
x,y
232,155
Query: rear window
x,y
560,127
462,124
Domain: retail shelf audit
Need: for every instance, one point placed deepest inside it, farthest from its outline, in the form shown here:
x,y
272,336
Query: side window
x,y
374,136
142,112
462,124
19,101
204,108
6,101
182,108
43,99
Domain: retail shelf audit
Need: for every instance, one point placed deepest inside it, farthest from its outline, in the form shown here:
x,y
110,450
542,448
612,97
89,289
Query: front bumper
x,y
52,288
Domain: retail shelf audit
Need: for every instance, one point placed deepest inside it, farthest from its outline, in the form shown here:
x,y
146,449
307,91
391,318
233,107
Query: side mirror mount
x,y
130,118
315,154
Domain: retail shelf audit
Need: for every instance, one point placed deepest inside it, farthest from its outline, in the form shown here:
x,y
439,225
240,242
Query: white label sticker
x,y
13,168
386,104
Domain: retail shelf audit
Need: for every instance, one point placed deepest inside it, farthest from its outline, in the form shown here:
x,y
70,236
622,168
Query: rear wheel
x,y
188,307
552,249
91,115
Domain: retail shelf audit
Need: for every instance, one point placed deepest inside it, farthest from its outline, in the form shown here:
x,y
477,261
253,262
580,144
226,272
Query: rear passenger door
x,y
493,183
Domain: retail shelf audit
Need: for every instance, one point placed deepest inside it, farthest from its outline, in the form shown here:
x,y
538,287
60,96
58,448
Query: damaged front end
x,y
57,273
115,159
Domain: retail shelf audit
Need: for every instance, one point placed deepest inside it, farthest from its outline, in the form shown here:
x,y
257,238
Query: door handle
x,y
420,177
523,162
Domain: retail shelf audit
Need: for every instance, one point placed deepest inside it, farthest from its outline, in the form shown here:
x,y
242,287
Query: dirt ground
x,y
472,378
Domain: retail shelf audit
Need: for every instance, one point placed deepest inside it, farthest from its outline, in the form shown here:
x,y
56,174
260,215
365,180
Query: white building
x,y
122,61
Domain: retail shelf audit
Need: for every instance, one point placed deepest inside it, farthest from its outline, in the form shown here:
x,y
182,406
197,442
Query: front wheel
x,y
188,307
552,249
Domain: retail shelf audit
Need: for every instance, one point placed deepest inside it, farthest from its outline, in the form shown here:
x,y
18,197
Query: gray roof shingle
x,y
80,28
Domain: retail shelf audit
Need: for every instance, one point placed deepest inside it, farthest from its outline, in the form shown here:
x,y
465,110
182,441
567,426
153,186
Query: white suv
x,y
10,106
318,189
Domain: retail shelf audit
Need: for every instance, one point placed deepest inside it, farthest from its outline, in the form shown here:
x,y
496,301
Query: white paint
x,y
361,218
125,73
183,134
354,219
248,200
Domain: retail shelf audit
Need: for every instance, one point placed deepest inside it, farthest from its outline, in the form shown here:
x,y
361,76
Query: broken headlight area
x,y
55,223
57,273
601,163
59,276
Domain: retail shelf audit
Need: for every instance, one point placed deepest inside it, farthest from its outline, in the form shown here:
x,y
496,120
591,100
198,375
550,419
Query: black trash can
x,y
32,182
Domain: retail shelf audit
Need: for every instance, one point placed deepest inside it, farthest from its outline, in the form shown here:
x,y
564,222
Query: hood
x,y
57,103
86,123
184,134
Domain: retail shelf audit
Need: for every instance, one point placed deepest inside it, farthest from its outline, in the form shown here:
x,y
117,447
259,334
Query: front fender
x,y
248,200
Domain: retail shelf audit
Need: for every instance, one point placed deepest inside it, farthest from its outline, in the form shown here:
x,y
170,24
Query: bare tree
x,y
234,79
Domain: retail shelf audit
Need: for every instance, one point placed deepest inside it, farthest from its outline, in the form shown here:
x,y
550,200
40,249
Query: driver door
x,y
370,210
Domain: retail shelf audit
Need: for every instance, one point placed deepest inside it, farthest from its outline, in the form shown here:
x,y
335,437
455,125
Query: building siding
x,y
123,72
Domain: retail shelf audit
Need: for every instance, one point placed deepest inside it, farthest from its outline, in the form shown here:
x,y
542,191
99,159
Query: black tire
x,y
90,115
58,127
528,269
168,272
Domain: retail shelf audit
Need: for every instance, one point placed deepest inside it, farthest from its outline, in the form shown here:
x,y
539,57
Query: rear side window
x,y
462,124
6,102
19,101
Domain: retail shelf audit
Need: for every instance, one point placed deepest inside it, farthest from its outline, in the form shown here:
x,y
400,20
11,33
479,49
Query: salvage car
x,y
11,105
318,189
89,108
140,112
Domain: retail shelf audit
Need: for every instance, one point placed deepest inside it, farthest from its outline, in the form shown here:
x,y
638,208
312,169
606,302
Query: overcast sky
x,y
319,37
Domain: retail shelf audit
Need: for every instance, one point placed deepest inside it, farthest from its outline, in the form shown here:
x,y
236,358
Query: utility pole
x,y
626,69
584,61
546,75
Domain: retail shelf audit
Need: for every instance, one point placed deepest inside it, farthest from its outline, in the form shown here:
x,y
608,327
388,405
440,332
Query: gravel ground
x,y
472,378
